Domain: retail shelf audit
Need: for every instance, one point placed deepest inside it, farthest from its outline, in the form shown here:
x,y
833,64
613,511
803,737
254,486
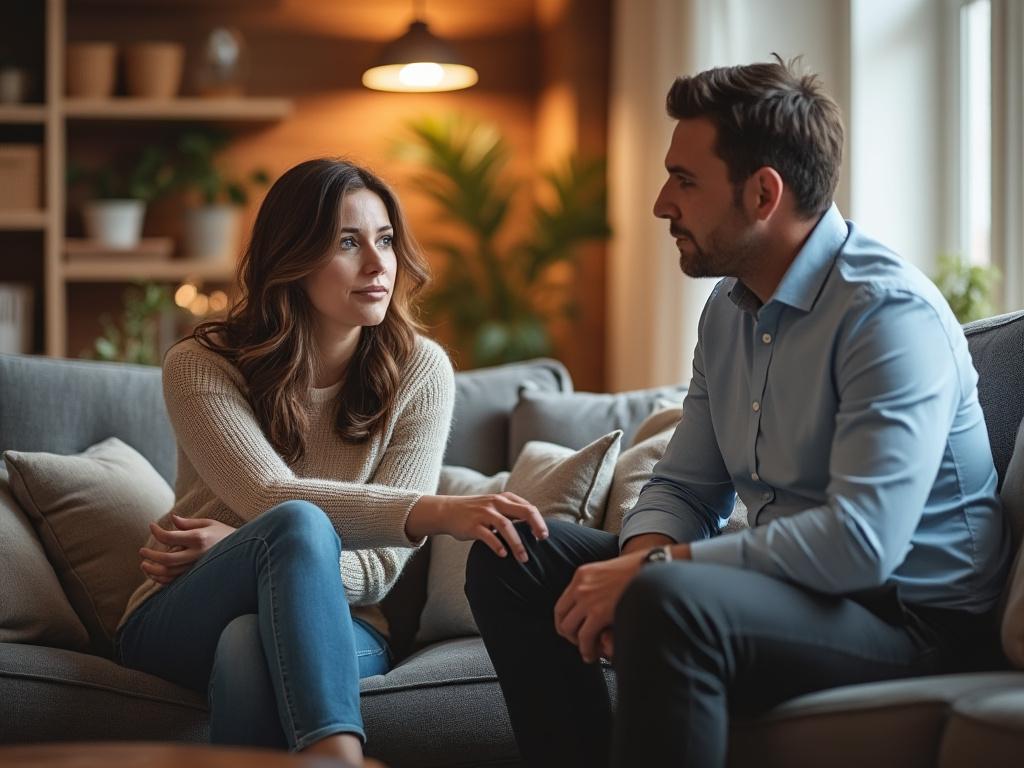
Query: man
x,y
833,391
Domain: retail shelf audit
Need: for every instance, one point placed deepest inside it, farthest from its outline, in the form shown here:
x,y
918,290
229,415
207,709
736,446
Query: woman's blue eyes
x,y
350,242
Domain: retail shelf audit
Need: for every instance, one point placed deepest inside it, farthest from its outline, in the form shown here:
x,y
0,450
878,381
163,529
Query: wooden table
x,y
142,754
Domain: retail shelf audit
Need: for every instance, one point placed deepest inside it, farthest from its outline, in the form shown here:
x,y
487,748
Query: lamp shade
x,y
419,61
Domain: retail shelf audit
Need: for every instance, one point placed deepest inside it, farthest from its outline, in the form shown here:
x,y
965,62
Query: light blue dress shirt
x,y
845,414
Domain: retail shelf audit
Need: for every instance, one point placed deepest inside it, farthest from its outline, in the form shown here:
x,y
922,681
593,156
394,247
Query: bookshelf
x,y
53,120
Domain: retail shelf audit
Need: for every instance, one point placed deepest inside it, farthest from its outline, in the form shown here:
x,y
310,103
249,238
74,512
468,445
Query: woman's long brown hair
x,y
268,334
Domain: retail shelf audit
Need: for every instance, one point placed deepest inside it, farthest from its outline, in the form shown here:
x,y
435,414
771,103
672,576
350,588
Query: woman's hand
x,y
477,517
194,537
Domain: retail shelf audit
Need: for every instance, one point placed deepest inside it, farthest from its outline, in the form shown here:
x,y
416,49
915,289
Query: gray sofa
x,y
441,705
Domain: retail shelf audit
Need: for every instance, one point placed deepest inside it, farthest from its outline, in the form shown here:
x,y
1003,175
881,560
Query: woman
x,y
311,425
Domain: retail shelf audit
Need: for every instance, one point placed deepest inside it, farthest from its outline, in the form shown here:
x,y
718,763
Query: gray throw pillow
x,y
33,607
577,418
561,483
91,512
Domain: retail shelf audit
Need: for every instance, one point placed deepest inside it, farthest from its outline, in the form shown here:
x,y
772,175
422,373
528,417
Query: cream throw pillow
x,y
636,464
560,482
91,512
33,608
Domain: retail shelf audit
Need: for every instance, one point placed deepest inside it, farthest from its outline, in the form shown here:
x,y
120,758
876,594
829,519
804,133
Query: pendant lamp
x,y
419,61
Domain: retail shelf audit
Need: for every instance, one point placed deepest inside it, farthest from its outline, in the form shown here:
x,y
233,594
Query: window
x,y
975,203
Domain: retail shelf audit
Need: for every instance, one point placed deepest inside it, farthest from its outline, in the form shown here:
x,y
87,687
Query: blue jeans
x,y
261,623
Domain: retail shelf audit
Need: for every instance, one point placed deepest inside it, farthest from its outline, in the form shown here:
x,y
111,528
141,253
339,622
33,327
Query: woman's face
x,y
354,288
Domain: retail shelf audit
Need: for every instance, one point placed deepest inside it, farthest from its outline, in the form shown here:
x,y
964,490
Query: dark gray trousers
x,y
694,643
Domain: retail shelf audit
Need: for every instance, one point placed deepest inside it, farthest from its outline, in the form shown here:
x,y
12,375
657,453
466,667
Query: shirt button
x,y
766,338
754,476
756,406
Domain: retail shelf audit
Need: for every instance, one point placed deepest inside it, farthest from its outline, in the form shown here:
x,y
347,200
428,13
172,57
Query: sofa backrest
x,y
64,406
997,349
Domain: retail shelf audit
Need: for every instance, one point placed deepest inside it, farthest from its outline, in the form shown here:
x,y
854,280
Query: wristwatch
x,y
658,555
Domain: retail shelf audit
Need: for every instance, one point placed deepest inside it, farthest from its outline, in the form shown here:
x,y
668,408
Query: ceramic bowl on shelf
x,y
153,70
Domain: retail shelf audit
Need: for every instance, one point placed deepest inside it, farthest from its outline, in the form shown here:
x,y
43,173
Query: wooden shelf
x,y
238,109
22,113
126,269
22,220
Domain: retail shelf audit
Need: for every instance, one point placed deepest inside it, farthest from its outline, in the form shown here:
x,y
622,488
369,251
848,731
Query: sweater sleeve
x,y
219,432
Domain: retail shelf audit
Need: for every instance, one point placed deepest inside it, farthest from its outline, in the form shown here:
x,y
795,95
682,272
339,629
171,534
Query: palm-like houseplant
x,y
499,300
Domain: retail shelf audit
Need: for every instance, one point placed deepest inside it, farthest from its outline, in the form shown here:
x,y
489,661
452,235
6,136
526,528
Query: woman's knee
x,y
239,659
301,523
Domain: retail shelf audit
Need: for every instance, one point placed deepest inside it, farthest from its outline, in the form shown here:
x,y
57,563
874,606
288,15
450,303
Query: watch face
x,y
656,555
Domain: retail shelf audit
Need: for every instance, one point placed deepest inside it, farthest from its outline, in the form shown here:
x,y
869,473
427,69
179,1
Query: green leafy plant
x,y
135,337
967,288
197,170
497,299
148,177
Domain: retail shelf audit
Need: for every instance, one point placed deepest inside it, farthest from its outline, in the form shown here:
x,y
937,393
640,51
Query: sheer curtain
x,y
653,307
1008,148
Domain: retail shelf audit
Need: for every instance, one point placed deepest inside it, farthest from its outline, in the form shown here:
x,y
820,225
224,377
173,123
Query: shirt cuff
x,y
667,524
726,549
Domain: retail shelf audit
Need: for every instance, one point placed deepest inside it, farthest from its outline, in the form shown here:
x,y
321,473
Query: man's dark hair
x,y
769,115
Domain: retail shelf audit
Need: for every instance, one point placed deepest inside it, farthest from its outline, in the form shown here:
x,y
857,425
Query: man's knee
x,y
674,598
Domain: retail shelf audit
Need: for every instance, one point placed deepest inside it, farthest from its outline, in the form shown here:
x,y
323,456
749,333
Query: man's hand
x,y
586,608
584,612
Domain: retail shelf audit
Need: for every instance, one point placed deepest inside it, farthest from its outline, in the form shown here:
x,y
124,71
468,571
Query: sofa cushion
x,y
484,399
91,512
64,406
997,350
575,419
561,482
1012,628
894,724
33,608
986,729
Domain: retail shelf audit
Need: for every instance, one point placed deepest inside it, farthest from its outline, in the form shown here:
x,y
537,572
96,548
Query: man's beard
x,y
719,258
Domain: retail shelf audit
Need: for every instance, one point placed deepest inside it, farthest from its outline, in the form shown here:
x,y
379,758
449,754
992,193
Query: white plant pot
x,y
16,318
212,232
115,223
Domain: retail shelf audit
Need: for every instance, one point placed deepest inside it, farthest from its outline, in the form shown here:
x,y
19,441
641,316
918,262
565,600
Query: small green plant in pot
x,y
500,300
118,196
135,336
212,225
967,287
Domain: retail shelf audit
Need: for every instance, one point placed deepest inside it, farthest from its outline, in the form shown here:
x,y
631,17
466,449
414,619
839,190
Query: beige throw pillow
x,y
636,464
91,512
560,482
1013,506
33,608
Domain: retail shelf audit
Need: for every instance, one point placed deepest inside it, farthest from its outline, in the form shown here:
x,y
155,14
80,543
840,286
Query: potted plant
x,y
135,337
967,287
117,206
212,224
500,301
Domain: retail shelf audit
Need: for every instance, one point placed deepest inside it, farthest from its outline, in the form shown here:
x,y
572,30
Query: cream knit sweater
x,y
228,471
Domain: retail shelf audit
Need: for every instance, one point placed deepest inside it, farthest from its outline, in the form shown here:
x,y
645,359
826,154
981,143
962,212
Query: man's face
x,y
714,234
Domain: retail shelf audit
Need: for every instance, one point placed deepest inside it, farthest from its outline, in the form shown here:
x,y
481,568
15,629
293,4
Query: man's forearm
x,y
646,541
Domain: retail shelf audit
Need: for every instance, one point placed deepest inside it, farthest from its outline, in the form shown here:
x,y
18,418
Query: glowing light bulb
x,y
185,294
218,301
421,74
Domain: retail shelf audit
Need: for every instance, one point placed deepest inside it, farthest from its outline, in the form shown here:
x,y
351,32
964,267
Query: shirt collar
x,y
803,280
